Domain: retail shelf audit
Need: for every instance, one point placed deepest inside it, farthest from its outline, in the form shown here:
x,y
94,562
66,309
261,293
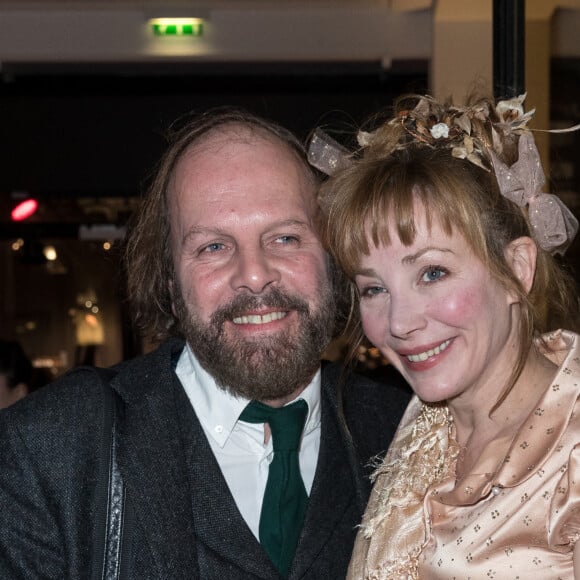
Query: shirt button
x,y
219,428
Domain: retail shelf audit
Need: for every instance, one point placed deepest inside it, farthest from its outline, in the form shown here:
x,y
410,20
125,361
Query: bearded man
x,y
233,455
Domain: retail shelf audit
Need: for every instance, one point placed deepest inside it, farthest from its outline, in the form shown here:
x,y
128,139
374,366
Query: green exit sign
x,y
177,26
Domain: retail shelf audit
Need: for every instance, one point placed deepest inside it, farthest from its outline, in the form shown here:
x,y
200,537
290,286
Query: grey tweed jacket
x,y
184,524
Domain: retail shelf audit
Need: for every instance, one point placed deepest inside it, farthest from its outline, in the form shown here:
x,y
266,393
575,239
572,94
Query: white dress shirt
x,y
238,446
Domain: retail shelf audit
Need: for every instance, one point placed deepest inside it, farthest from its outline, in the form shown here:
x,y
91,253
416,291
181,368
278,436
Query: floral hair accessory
x,y
461,129
553,224
478,133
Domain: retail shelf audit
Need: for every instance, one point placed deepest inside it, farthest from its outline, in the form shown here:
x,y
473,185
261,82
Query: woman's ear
x,y
521,255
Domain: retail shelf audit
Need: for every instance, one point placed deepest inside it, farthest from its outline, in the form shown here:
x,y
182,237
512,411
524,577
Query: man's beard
x,y
265,367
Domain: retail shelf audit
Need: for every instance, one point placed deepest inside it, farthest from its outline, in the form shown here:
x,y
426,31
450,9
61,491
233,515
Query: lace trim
x,y
426,453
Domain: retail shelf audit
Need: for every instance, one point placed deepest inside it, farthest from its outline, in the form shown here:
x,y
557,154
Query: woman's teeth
x,y
428,353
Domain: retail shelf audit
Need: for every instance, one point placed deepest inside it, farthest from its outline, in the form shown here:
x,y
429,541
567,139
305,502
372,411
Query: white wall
x,y
306,32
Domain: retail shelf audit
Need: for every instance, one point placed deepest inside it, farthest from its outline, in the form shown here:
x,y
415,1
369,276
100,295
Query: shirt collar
x,y
218,411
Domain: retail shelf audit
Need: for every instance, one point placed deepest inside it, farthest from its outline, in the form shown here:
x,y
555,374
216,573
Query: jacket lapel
x,y
334,490
152,463
217,520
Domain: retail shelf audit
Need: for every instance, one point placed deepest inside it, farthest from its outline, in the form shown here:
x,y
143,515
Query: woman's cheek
x,y
458,306
374,325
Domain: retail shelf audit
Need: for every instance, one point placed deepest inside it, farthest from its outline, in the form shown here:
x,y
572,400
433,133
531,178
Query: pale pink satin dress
x,y
516,518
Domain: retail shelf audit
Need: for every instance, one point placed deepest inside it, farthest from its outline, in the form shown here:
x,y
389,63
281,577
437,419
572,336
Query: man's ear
x,y
521,255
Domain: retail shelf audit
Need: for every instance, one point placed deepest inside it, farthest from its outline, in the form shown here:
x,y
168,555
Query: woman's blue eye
x,y
371,291
433,274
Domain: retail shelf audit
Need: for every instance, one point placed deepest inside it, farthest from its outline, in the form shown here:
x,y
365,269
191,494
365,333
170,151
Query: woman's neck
x,y
476,424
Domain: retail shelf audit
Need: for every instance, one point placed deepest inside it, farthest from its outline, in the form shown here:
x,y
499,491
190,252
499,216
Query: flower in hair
x,y
481,134
440,130
436,125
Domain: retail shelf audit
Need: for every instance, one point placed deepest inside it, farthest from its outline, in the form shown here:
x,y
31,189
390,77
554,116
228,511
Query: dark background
x,y
72,133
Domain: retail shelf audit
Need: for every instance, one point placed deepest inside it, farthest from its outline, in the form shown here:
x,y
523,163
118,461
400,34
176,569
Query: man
x,y
223,254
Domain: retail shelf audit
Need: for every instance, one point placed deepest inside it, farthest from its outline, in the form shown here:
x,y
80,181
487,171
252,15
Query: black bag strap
x,y
111,545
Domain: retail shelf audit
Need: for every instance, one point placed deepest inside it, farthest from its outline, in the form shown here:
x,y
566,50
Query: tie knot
x,y
286,423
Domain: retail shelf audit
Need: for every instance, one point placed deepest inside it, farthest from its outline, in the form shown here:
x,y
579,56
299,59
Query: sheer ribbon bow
x,y
553,224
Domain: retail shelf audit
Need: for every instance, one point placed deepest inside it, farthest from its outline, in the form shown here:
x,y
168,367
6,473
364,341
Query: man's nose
x,y
254,270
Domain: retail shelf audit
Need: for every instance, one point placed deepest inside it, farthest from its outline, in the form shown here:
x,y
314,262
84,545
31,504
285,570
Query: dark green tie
x,y
285,498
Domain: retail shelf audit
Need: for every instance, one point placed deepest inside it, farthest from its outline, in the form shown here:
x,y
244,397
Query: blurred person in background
x,y
16,373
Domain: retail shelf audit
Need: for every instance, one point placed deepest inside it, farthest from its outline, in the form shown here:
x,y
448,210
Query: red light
x,y
24,210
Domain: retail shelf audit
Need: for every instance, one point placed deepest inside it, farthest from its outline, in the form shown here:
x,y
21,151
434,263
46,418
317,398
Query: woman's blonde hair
x,y
399,167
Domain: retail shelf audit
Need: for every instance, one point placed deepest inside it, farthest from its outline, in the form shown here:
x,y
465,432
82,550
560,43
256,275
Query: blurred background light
x,y
24,210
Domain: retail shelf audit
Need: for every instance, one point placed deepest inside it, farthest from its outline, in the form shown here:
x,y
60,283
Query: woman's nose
x,y
406,313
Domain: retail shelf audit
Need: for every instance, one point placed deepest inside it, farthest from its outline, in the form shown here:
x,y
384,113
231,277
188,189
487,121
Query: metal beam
x,y
509,23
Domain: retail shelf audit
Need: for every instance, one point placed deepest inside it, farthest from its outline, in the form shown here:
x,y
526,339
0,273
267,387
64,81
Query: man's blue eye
x,y
287,239
213,247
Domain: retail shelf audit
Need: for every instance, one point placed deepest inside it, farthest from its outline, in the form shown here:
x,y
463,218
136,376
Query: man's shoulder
x,y
63,417
76,385
370,409
76,397
360,390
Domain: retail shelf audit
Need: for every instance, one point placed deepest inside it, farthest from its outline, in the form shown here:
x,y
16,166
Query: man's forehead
x,y
210,169
238,133
226,142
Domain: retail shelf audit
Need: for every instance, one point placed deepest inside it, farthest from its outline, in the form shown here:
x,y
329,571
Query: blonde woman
x,y
442,225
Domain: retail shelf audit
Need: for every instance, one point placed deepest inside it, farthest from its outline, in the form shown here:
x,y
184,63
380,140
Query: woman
x,y
441,224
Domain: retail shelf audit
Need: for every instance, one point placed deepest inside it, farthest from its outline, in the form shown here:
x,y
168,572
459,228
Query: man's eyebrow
x,y
201,231
289,223
210,231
